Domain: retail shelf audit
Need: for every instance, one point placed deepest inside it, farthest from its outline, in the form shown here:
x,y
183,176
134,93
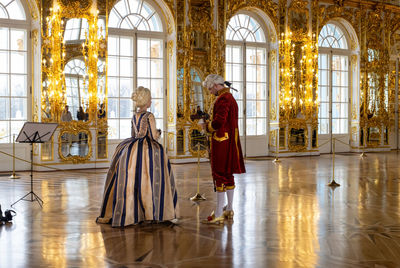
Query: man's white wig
x,y
213,79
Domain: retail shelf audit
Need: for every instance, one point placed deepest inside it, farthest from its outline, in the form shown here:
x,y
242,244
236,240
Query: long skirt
x,y
139,186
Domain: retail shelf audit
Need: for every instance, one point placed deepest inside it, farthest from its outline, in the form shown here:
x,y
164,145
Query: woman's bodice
x,y
144,124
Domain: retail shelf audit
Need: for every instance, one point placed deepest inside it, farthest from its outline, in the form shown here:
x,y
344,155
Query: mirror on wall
x,y
198,97
373,136
74,145
77,95
297,138
198,141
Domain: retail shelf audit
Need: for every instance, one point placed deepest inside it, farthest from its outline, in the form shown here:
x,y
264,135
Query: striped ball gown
x,y
140,183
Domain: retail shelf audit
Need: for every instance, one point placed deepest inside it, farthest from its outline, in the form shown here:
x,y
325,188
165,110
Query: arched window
x,y
333,81
14,67
135,58
77,85
246,67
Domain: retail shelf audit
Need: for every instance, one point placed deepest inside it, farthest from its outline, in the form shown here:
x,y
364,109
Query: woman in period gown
x,y
140,183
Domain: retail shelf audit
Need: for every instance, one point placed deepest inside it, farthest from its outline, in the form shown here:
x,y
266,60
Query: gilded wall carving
x,y
200,45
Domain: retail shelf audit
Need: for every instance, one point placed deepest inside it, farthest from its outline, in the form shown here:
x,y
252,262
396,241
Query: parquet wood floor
x,y
285,216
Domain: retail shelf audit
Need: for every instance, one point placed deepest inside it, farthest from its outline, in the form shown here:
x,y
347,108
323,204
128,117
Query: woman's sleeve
x,y
152,127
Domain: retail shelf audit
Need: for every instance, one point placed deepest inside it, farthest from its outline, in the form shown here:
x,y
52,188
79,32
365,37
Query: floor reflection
x,y
285,216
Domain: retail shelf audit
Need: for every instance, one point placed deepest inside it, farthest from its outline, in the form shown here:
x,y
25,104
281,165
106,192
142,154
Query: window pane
x,y
18,39
113,129
4,108
159,124
3,38
261,74
238,95
261,108
112,45
251,73
4,61
112,108
144,70
157,68
261,56
251,91
112,87
240,106
156,48
144,83
18,108
324,110
16,127
344,79
126,87
251,127
251,57
157,108
261,91
323,126
126,108
125,128
261,126
156,88
126,46
18,85
4,130
15,10
228,72
4,91
339,94
143,47
112,66
241,127
251,109
237,72
323,93
237,54
126,66
228,53
323,77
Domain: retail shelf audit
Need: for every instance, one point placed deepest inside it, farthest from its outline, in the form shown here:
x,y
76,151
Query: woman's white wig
x,y
213,79
141,96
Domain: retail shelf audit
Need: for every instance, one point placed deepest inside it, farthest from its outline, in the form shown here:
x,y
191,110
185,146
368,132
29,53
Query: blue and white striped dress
x,y
140,183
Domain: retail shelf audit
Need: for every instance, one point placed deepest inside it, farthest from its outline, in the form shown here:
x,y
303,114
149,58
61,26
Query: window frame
x,y
135,34
25,25
244,45
331,52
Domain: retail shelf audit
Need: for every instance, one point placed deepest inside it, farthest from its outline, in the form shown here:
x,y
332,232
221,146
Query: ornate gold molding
x,y
33,9
74,128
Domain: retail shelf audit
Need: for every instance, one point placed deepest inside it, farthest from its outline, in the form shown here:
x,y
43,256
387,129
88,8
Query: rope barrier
x,y
43,165
3,137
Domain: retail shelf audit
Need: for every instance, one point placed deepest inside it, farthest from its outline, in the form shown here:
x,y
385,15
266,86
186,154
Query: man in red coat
x,y
226,151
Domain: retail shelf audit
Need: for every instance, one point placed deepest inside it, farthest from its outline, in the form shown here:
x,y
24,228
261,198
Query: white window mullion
x,y
244,98
135,61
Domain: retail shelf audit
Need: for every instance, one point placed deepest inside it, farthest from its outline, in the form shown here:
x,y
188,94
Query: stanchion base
x,y
363,154
333,183
197,197
33,197
13,176
276,160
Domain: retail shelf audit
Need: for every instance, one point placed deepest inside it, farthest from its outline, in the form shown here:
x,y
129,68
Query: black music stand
x,y
33,132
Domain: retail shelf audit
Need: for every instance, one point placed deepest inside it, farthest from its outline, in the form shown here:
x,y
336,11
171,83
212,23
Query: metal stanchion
x,y
276,160
333,183
198,196
13,176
